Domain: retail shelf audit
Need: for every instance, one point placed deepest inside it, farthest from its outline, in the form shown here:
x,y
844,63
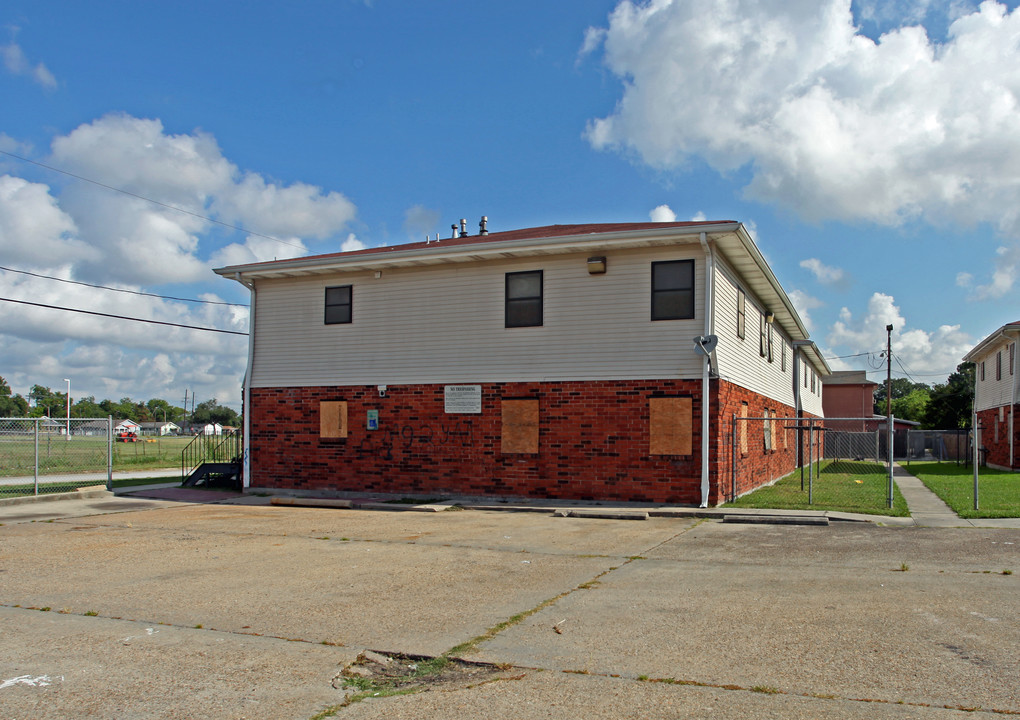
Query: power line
x,y
123,317
150,200
132,292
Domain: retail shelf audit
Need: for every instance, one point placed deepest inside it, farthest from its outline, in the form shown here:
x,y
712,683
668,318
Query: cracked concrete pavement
x,y
152,609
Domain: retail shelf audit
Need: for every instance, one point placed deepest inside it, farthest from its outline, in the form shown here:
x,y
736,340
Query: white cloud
x,y
136,241
916,350
420,220
699,217
34,231
662,213
77,231
828,122
17,64
964,280
352,243
1003,276
804,304
823,273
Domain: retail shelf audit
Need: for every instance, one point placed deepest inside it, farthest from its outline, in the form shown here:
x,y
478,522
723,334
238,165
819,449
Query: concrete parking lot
x,y
130,608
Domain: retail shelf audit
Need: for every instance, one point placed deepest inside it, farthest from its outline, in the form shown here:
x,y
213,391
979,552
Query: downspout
x,y
797,399
705,367
246,455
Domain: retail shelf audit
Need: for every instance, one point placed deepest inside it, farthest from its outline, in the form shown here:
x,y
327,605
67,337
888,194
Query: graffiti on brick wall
x,y
428,437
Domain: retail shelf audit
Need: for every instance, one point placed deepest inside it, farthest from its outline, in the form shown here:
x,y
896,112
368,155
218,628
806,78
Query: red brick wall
x,y
997,444
593,443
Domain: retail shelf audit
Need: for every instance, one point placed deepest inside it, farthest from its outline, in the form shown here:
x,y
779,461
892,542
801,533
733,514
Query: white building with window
x,y
572,349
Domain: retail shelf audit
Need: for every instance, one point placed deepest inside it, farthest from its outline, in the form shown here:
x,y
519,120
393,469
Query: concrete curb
x,y
89,493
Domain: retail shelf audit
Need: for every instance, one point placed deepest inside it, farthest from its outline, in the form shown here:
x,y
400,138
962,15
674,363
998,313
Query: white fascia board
x,y
1006,331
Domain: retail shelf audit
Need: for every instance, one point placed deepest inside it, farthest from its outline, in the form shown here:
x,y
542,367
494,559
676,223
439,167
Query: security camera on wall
x,y
382,390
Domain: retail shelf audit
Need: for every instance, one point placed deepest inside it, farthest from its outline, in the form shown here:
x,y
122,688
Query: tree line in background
x,y
42,401
943,406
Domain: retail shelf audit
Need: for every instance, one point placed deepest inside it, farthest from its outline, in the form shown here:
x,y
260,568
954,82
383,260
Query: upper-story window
x,y
998,365
523,299
982,371
1012,357
673,290
338,304
741,314
762,336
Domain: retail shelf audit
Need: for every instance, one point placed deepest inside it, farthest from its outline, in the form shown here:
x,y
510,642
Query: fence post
x,y
732,461
976,451
811,461
35,470
109,452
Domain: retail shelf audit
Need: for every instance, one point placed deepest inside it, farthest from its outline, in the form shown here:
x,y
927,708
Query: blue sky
x,y
873,149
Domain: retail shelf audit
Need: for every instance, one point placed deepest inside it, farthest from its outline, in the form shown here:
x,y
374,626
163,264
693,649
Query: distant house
x,y
848,394
160,428
996,395
212,429
561,362
127,426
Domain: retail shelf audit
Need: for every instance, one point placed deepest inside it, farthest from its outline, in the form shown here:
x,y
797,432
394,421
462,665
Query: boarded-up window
x,y
333,419
520,426
741,314
670,423
742,423
766,427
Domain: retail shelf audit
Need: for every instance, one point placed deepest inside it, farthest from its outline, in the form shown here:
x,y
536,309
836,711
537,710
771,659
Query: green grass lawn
x,y
847,486
57,454
998,490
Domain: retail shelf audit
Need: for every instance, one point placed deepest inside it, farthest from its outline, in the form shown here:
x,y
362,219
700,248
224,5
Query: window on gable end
x,y
741,313
982,371
771,358
673,290
762,338
338,305
998,365
523,299
1012,357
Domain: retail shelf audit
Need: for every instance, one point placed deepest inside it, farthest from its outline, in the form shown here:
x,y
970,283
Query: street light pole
x,y
68,381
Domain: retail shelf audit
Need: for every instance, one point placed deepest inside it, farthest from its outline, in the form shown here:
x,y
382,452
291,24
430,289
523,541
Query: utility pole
x,y
888,406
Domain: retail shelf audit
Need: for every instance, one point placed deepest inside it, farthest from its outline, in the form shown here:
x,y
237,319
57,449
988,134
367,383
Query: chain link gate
x,y
842,453
46,455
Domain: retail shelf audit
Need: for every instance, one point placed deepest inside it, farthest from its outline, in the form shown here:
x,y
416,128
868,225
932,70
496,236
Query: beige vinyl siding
x,y
444,324
739,360
992,393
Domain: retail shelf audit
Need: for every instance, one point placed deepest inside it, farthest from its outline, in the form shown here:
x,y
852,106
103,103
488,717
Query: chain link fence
x,y
813,462
45,455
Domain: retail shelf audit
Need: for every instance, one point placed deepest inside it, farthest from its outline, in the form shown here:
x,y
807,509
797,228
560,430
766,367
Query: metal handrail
x,y
211,448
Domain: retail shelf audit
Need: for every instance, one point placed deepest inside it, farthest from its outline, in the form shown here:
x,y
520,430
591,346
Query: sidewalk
x,y
928,510
92,478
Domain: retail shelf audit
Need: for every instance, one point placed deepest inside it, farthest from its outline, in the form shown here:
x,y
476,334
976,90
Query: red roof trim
x,y
546,231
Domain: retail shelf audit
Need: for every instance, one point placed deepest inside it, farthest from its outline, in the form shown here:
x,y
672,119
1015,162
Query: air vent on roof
x,y
483,226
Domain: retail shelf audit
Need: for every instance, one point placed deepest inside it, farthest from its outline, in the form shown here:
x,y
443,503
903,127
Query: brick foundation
x,y
593,443
995,438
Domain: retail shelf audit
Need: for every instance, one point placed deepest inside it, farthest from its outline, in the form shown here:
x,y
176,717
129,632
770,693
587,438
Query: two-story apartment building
x,y
559,361
996,395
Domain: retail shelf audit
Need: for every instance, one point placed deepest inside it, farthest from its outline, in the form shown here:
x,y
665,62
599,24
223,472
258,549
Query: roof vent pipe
x,y
454,228
482,226
463,227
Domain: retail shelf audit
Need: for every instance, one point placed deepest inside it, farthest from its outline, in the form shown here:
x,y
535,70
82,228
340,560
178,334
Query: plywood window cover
x,y
333,419
670,426
520,426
